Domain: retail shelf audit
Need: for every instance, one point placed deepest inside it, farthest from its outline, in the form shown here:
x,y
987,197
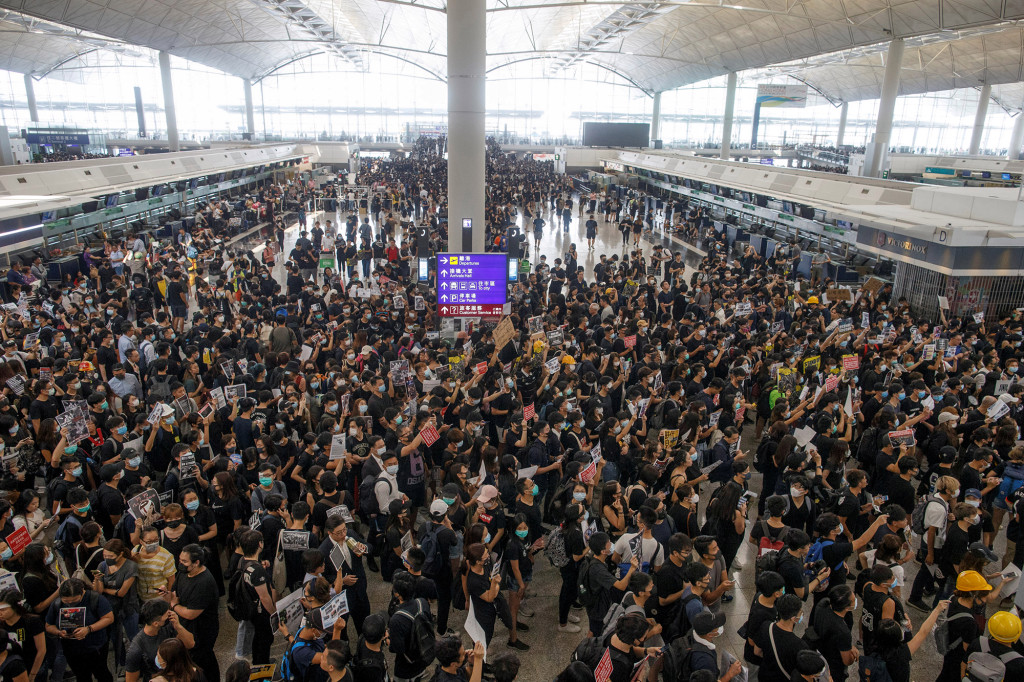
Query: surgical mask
x,y
1012,370
922,394
487,538
392,469
974,503
6,554
883,367
535,490
902,395
351,356
398,420
363,408
121,430
976,520
156,661
695,499
381,450
152,547
192,506
801,620
451,500
694,456
13,430
104,405
51,557
586,515
77,471
521,534
52,391
333,407
579,497
956,493
134,462
796,492
265,482
840,529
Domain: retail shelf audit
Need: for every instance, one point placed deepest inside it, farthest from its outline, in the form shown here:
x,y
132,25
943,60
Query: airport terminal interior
x,y
465,340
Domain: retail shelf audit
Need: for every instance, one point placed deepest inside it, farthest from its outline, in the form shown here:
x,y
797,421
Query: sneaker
x,y
525,611
573,618
919,605
522,627
450,633
518,644
569,627
576,606
726,598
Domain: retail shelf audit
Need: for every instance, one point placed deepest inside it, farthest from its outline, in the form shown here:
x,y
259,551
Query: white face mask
x,y
796,492
695,499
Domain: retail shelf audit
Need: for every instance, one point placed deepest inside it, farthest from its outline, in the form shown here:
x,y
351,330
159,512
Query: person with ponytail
x,y
115,579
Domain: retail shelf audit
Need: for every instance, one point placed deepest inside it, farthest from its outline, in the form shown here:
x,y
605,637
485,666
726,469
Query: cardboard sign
x,y
943,303
873,285
630,341
835,295
504,333
430,435
743,309
902,437
481,368
19,540
670,437
529,412
851,363
831,382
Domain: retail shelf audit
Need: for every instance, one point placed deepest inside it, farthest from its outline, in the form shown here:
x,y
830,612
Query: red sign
x,y
851,362
19,540
429,435
529,412
630,341
603,671
481,368
831,382
587,475
470,310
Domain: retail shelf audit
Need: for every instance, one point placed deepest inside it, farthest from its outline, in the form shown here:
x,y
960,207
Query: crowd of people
x,y
214,428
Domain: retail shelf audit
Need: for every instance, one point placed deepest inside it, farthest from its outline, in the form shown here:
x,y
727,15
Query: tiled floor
x,y
550,649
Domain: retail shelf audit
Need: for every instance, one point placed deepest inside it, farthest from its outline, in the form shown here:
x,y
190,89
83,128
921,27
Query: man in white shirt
x,y
386,486
947,491
652,554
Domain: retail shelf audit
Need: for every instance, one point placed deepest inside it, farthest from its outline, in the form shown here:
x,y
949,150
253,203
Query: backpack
x,y
943,645
159,387
433,564
816,550
682,624
767,544
872,669
676,661
985,666
658,416
589,652
554,548
917,517
761,455
368,506
587,596
62,541
868,450
241,596
365,669
422,638
286,669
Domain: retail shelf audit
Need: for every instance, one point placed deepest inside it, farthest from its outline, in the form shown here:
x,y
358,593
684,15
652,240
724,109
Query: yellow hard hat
x,y
538,346
812,299
972,581
568,360
1004,627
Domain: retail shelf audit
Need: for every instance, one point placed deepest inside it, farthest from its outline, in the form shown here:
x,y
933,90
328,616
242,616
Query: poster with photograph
x,y
75,424
234,393
294,540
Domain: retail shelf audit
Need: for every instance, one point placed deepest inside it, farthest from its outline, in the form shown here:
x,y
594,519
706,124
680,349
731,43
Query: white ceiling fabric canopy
x,y
655,45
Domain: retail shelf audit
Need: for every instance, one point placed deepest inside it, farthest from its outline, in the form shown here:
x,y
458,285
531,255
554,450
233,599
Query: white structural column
x,y
656,118
1016,137
30,94
979,118
250,117
843,112
172,119
467,61
879,147
730,101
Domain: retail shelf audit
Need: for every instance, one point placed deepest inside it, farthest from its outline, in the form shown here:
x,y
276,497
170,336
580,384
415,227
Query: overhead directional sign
x,y
471,284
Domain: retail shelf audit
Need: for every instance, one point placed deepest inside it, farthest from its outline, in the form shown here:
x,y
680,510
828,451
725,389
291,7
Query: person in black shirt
x,y
963,629
195,601
575,550
833,623
600,581
783,646
110,504
770,587
670,579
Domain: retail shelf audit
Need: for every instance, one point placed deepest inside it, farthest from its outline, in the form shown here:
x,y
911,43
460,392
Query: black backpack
x,y
682,624
676,665
368,506
422,637
241,596
587,595
761,455
434,562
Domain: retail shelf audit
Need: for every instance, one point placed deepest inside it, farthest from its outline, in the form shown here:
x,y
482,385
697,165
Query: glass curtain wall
x,y
321,98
